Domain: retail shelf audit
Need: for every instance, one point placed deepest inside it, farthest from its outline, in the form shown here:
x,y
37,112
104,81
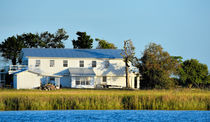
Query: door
x,y
57,82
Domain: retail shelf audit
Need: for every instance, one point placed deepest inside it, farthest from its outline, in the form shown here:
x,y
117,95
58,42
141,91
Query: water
x,y
105,115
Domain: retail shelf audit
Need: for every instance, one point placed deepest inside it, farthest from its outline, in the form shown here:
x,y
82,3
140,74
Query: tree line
x,y
161,70
157,68
11,47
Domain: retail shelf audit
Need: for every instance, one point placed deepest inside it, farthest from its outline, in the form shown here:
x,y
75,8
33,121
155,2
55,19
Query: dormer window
x,y
93,63
37,63
81,63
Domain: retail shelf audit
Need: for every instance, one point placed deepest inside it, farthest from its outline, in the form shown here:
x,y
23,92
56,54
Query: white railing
x,y
15,68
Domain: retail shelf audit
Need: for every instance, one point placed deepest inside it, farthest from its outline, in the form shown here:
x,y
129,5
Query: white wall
x,y
111,80
26,80
117,81
116,65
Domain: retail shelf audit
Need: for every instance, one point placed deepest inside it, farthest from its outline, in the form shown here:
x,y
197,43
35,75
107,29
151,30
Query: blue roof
x,y
81,72
72,53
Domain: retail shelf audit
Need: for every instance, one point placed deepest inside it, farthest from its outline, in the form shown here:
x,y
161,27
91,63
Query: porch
x,y
51,79
82,77
16,68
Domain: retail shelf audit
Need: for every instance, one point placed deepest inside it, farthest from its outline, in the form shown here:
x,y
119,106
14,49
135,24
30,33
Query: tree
x,y
128,56
193,74
208,81
49,40
29,40
178,58
103,44
157,67
83,41
3,62
12,46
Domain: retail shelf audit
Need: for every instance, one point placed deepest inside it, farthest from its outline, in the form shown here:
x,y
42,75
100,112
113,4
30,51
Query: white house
x,y
73,68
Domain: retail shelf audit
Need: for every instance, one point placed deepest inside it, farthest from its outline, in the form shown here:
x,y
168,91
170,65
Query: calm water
x,y
105,115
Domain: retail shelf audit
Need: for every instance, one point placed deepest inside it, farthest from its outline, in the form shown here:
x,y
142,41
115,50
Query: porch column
x,y
138,82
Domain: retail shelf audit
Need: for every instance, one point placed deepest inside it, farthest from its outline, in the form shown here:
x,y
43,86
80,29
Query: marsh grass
x,y
83,99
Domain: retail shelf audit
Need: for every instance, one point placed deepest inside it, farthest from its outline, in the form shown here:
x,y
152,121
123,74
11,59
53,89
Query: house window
x,y
52,63
65,63
77,81
83,80
37,63
81,63
88,82
106,64
104,78
93,63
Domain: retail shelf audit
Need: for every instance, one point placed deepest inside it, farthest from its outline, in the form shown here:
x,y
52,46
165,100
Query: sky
x,y
181,27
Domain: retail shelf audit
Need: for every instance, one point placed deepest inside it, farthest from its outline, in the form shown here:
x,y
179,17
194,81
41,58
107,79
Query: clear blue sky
x,y
182,27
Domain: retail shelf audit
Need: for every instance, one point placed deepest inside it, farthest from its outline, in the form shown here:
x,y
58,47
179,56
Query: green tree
x,y
156,67
49,40
29,40
103,44
208,81
84,41
193,74
12,46
128,53
178,58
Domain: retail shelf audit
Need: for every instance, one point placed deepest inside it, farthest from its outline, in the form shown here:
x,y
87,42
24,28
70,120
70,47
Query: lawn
x,y
87,99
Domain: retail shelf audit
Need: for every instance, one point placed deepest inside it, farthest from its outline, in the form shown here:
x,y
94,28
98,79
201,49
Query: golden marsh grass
x,y
87,99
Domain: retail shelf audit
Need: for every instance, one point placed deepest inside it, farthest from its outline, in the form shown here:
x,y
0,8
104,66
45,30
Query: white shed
x,y
32,80
29,80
